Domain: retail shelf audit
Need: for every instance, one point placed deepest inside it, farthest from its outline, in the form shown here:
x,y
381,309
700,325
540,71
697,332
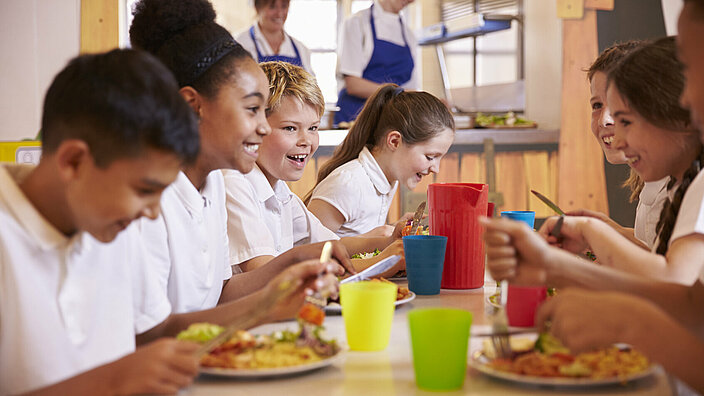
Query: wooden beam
x,y
99,25
599,4
581,180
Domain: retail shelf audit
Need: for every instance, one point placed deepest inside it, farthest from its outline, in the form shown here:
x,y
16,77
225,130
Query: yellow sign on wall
x,y
23,152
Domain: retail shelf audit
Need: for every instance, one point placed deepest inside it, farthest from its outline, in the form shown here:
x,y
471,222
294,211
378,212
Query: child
x,y
228,91
668,333
115,132
652,195
398,136
294,110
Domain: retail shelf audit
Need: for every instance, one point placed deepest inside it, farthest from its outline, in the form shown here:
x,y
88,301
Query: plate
x,y
335,308
398,279
272,372
479,362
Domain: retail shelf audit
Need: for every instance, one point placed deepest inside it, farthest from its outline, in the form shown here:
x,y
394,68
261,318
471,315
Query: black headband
x,y
208,57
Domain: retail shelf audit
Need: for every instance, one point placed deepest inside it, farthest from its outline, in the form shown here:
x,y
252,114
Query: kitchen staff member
x,y
267,41
376,47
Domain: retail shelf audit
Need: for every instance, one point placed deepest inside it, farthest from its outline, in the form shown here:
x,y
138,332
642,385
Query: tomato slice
x,y
312,314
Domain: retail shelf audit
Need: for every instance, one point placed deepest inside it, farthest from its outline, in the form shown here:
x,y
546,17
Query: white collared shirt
x,y
252,201
650,202
189,243
67,305
356,43
360,191
286,48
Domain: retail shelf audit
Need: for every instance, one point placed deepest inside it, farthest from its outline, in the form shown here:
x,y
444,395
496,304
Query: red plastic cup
x,y
522,303
490,209
454,210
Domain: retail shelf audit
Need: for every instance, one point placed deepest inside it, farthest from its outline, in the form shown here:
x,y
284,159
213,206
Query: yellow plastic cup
x,y
368,310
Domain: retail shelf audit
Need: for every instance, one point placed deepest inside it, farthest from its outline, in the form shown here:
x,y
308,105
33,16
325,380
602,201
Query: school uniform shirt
x,y
188,243
690,218
67,304
356,43
360,191
252,202
288,47
650,203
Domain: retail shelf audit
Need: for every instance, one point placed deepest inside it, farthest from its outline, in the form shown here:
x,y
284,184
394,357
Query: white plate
x,y
335,308
480,363
272,372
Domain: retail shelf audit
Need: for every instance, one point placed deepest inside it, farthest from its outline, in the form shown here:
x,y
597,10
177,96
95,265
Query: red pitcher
x,y
454,208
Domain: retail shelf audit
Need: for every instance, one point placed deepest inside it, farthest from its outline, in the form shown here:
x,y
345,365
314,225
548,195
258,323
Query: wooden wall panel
x,y
472,169
537,167
581,179
99,25
511,181
449,169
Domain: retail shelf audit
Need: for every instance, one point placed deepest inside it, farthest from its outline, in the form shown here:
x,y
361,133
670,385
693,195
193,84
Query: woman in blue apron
x,y
266,40
389,63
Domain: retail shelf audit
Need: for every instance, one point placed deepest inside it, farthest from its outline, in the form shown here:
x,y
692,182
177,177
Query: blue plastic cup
x,y
425,256
526,216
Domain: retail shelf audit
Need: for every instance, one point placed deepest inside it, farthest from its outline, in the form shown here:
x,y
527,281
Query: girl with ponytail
x,y
399,137
658,140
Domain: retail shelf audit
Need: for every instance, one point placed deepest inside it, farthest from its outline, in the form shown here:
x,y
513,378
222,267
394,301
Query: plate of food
x,y
403,295
545,362
250,356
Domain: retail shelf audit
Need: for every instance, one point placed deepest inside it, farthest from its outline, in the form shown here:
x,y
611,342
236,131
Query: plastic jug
x,y
454,208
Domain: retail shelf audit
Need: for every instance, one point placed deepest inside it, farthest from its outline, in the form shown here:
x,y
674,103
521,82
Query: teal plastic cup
x,y
526,216
425,258
439,339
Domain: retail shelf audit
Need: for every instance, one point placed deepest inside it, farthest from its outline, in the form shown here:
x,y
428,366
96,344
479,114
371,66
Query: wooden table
x,y
390,372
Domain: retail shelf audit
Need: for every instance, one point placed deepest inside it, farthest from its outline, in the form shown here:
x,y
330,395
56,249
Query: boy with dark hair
x,y
75,287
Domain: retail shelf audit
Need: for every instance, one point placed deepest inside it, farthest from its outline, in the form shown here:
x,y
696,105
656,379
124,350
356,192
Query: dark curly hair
x,y
651,80
183,34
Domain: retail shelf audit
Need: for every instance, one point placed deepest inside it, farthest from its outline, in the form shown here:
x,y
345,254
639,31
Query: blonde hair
x,y
285,80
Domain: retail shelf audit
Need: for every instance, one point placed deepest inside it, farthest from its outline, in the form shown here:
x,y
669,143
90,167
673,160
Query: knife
x,y
374,270
417,217
548,202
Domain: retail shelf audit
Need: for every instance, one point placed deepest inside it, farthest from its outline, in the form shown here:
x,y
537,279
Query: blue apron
x,y
270,58
390,63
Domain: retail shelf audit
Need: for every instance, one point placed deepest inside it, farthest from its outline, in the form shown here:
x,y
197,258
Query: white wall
x,y
543,62
38,38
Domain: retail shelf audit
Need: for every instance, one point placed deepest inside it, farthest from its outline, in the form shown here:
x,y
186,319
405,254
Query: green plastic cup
x,y
368,310
439,338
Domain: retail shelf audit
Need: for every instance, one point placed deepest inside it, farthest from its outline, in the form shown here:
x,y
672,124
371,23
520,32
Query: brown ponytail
x,y
670,210
635,184
417,116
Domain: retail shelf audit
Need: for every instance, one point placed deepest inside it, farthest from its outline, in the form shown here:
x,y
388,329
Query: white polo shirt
x,y
356,43
251,201
286,48
360,191
690,219
189,243
67,305
650,203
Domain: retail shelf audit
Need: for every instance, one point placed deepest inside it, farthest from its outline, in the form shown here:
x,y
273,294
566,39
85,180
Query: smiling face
x,y
233,123
273,16
651,151
104,201
691,30
602,123
293,140
412,162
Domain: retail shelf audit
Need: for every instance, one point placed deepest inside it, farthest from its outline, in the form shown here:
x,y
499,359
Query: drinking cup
x,y
368,310
425,256
526,216
439,339
522,303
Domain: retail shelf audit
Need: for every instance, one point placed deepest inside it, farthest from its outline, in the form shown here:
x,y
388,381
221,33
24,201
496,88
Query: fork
x,y
499,326
317,298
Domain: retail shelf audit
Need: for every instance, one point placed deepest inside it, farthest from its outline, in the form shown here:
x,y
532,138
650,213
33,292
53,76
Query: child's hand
x,y
597,215
585,320
514,251
285,294
313,250
161,367
400,225
571,236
